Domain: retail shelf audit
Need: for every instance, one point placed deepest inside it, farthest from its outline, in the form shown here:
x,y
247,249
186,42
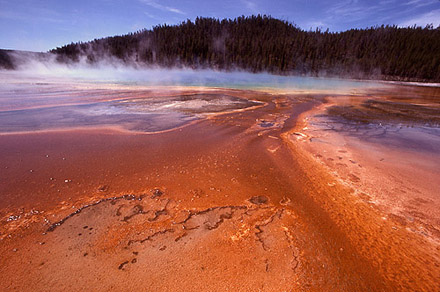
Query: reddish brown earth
x,y
233,202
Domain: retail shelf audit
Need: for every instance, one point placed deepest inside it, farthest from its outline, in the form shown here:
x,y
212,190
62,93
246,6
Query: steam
x,y
43,94
45,68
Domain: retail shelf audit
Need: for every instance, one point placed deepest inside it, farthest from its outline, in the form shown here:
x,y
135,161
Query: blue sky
x,y
40,25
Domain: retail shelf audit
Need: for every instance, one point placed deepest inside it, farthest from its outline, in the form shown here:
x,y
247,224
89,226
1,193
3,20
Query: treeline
x,y
262,43
13,59
6,60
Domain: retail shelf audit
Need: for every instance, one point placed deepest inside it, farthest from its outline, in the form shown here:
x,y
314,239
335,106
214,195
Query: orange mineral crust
x,y
237,200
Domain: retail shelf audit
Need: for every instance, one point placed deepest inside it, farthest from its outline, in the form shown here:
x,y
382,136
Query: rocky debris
x,y
103,188
259,200
157,193
122,265
59,223
266,124
160,224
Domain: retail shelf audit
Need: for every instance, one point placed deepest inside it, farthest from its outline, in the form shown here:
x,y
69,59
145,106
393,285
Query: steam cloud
x,y
45,68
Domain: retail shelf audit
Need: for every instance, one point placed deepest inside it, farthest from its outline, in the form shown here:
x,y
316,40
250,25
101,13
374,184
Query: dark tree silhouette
x,y
262,43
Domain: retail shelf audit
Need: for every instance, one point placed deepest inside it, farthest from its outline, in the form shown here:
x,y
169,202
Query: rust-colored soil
x,y
235,202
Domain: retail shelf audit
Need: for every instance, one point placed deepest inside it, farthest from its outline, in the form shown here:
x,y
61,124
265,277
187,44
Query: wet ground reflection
x,y
146,114
406,123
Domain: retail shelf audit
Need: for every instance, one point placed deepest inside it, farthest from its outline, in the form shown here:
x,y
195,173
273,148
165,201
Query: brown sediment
x,y
370,190
228,203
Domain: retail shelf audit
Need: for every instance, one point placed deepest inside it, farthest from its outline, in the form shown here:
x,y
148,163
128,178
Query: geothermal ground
x,y
204,189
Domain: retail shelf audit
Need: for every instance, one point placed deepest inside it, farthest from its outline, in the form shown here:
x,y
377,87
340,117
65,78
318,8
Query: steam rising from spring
x,y
46,95
44,67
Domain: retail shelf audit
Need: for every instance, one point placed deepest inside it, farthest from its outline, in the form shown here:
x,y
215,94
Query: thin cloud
x,y
156,5
348,11
315,24
432,17
152,16
35,14
352,9
381,12
252,6
386,2
420,3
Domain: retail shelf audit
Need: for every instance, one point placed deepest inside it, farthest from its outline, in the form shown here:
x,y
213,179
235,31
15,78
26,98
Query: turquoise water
x,y
243,80
235,80
180,77
59,97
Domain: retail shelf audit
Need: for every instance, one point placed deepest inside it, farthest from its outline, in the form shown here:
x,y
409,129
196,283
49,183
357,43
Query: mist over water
x,y
47,95
115,72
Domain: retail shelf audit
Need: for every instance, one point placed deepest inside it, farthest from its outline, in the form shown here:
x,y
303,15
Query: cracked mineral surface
x,y
262,191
